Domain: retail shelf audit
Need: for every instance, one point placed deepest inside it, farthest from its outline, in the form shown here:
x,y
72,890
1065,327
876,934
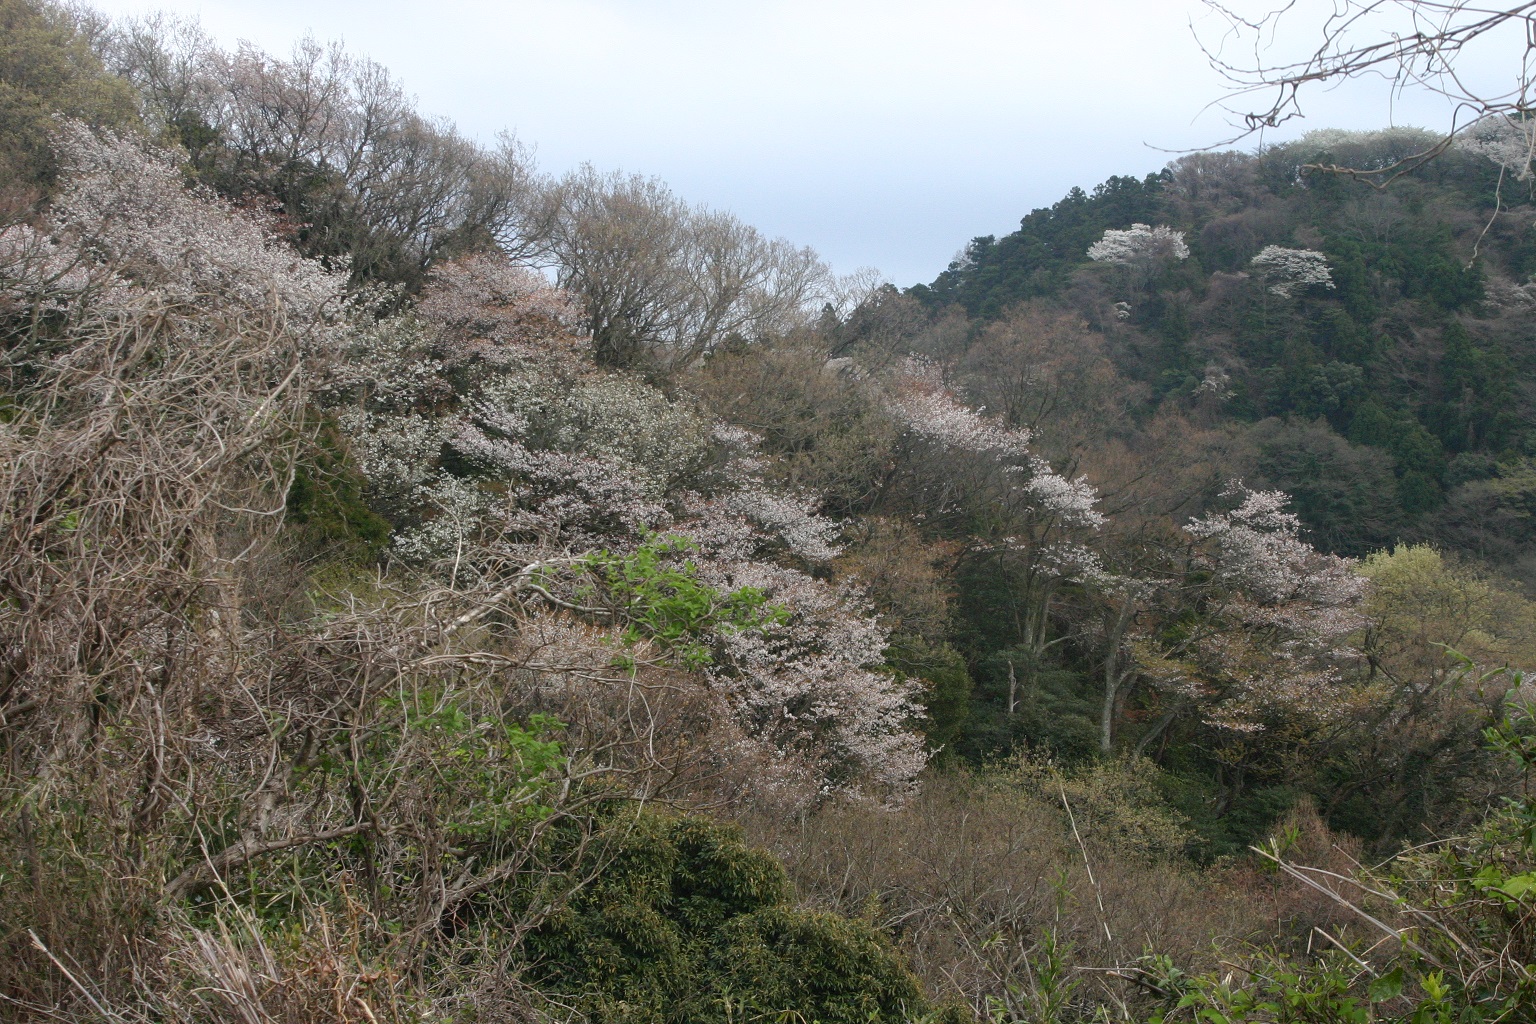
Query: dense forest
x,y
432,589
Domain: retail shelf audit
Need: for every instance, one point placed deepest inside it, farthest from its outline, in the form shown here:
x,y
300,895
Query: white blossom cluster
x,y
547,452
494,310
396,453
806,687
123,233
1289,609
924,405
1071,501
930,411
452,513
1139,245
1506,297
125,204
809,686
574,498
746,517
1216,384
387,367
788,515
1507,142
1070,561
575,457
36,271
611,417
1286,270
1261,550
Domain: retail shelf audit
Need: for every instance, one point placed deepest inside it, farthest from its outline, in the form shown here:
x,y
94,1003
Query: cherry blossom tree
x,y
493,309
1508,142
1139,245
924,404
812,685
1279,615
124,205
1035,523
932,415
1286,270
1139,251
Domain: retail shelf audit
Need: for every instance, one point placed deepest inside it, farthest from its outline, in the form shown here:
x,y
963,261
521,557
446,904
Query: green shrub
x,y
687,923
327,507
662,599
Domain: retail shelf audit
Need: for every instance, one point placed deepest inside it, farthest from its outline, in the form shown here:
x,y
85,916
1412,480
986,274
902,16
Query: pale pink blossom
x,y
495,310
1508,142
1279,637
126,205
810,685
923,403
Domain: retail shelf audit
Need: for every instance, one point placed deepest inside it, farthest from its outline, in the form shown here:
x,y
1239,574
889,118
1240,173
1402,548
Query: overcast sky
x,y
884,133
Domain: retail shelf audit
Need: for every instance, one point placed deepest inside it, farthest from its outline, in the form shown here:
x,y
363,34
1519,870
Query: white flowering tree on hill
x,y
1038,524
1140,251
1274,638
1507,141
1139,244
1285,271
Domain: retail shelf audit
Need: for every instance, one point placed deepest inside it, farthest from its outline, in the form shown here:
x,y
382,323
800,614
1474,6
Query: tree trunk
x,y
1114,677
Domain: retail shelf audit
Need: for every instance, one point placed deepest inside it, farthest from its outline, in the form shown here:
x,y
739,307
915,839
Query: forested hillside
x,y
436,589
1412,345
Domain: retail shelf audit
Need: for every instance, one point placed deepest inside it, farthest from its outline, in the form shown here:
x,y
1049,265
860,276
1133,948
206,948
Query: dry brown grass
x,y
976,877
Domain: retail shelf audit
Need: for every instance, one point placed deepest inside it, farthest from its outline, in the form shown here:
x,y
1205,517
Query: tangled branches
x,y
1440,47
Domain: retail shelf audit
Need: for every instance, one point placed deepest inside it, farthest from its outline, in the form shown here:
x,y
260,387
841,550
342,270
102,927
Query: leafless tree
x,y
666,281
337,142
